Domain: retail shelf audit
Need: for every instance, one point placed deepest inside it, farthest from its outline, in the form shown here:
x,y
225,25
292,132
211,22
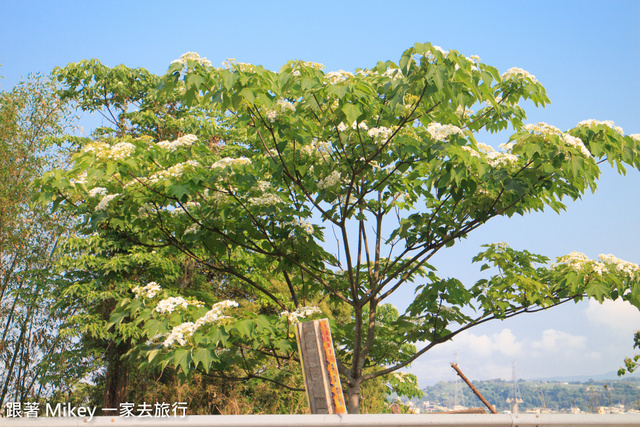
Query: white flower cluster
x,y
575,260
362,125
105,201
335,77
507,146
282,107
471,151
626,267
516,73
95,147
175,171
577,143
441,132
178,334
264,185
317,147
542,129
393,73
191,56
183,141
167,306
302,312
464,112
485,148
230,161
266,199
498,159
242,66
97,191
193,229
306,226
329,181
399,376
119,151
215,314
181,332
81,179
635,137
314,65
380,133
545,129
150,290
591,122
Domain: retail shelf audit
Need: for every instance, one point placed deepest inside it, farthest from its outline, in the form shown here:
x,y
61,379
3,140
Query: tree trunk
x,y
115,388
353,397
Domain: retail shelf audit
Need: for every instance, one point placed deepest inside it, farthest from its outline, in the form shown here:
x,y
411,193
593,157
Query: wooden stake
x,y
475,390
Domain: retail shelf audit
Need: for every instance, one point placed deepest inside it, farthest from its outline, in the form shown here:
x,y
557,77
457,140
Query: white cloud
x,y
554,341
620,316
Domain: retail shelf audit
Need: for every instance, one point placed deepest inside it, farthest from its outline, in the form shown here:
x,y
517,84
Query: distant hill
x,y
558,396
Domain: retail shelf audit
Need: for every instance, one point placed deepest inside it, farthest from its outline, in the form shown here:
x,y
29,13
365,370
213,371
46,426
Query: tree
x,y
385,163
31,117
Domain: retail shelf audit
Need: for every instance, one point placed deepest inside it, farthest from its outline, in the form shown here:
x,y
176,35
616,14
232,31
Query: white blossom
x,y
175,171
362,125
471,151
338,76
215,314
517,73
329,181
97,191
105,201
575,260
179,334
150,290
380,133
167,306
191,56
193,229
506,146
231,63
441,132
230,161
542,129
485,148
497,159
635,137
626,267
183,141
591,122
266,199
342,127
393,73
306,226
577,143
302,312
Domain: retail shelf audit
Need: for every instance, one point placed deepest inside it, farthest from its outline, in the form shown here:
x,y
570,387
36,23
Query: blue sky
x,y
586,54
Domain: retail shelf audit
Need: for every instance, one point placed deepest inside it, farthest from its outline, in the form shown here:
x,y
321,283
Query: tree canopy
x,y
323,193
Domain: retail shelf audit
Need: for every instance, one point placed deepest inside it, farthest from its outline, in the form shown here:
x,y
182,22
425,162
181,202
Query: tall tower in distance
x,y
514,396
458,396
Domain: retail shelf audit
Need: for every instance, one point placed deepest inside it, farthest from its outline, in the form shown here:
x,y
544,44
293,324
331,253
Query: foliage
x,y
386,162
631,363
31,347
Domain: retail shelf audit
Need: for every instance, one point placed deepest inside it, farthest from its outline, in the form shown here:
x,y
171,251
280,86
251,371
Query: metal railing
x,y
373,420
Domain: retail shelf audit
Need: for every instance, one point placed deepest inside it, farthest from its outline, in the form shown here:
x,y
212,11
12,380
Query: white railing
x,y
386,420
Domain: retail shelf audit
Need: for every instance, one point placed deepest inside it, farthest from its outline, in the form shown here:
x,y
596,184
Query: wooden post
x,y
475,390
319,367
